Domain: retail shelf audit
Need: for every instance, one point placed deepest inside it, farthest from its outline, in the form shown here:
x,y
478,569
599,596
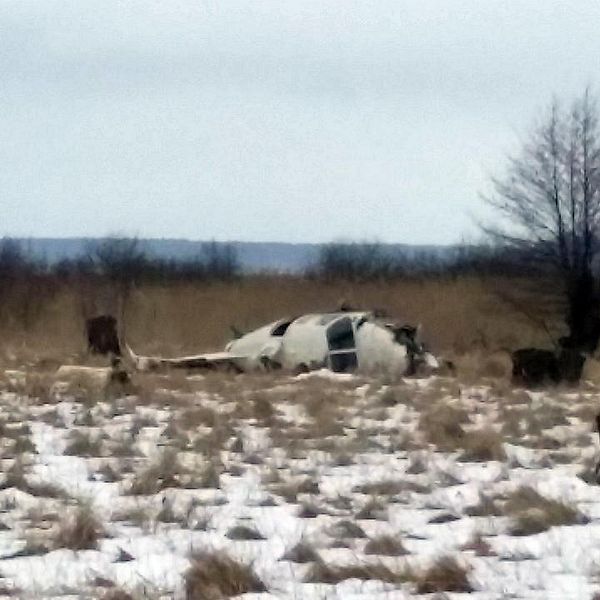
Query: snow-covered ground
x,y
256,466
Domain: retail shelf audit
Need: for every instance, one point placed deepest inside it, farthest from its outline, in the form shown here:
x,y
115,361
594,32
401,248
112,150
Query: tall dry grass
x,y
458,315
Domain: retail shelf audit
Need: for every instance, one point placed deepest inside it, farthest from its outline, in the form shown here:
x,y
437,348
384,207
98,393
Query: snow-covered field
x,y
326,486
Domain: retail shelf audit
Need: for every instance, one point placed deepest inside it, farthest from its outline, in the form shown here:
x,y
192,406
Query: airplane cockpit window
x,y
340,335
281,328
342,348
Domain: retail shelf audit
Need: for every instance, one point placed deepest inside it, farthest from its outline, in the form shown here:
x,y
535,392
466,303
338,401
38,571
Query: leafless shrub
x,y
385,545
216,575
445,575
80,531
532,513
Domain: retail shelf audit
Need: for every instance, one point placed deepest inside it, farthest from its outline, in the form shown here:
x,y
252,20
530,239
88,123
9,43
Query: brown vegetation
x,y
532,513
458,314
80,531
321,572
216,576
445,575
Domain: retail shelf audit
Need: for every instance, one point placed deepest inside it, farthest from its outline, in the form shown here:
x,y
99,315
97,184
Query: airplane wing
x,y
197,361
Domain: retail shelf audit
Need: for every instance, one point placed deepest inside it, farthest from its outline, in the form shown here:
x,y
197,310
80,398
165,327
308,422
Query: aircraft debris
x,y
342,341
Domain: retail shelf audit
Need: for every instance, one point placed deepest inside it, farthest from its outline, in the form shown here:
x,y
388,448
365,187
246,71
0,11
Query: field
x,y
317,486
41,322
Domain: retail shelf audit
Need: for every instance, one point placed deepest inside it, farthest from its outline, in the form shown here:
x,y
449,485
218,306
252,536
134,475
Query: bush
x,y
216,575
445,575
80,532
532,513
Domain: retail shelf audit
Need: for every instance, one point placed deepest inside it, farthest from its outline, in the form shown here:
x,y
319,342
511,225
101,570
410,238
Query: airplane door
x,y
341,345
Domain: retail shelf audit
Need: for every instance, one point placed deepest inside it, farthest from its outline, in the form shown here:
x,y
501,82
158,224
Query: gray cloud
x,y
272,120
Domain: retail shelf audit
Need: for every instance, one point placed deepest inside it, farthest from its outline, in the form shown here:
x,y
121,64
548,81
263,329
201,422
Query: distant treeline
x,y
371,261
123,260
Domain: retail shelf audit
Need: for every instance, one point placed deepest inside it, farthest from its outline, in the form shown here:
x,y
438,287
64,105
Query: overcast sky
x,y
288,120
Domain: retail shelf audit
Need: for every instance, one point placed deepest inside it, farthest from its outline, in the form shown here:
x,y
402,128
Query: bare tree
x,y
549,199
121,262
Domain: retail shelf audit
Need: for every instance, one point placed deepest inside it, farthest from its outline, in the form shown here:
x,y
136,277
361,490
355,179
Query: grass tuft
x,y
80,531
321,572
385,545
532,513
216,575
445,575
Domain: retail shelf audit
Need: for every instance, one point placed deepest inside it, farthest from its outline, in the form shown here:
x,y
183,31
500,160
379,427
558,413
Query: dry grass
x,y
302,553
375,509
16,477
290,490
532,513
482,446
213,576
346,529
458,314
389,487
80,531
445,575
321,572
164,473
385,545
441,425
83,444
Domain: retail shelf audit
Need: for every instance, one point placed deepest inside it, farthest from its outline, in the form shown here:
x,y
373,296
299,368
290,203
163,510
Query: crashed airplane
x,y
342,341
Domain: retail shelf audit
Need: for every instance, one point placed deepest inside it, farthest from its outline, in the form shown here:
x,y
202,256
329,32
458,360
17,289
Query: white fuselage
x,y
339,341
